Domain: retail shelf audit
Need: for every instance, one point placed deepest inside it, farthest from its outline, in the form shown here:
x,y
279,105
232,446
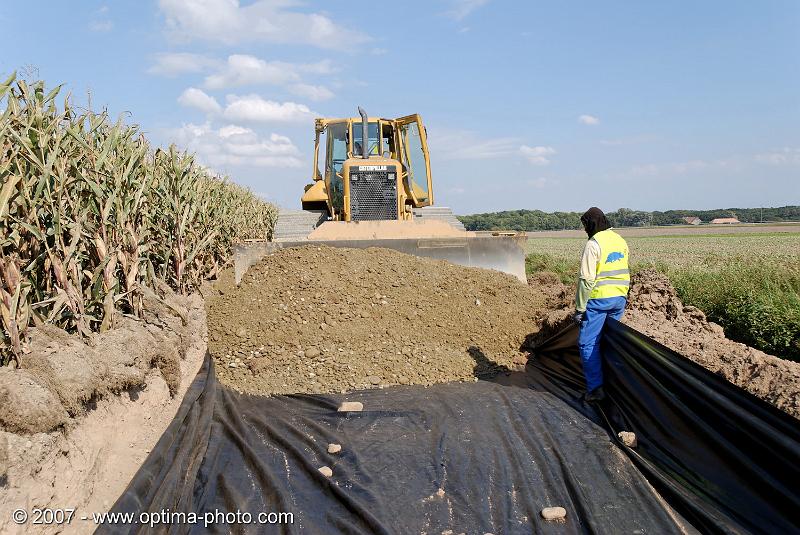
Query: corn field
x,y
89,213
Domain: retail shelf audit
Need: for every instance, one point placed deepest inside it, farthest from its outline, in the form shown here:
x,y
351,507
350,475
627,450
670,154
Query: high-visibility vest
x,y
613,275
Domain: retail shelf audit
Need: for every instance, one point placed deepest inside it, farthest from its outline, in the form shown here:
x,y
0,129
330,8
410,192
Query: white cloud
x,y
588,119
460,9
269,21
478,149
234,146
173,64
232,130
253,108
378,51
196,98
312,92
241,70
466,145
783,156
249,70
537,155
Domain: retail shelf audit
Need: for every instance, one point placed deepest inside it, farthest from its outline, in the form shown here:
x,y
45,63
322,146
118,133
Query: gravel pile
x,y
320,319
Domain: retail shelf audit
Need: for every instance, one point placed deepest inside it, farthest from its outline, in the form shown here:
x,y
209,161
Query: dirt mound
x,y
320,319
655,309
552,323
62,373
88,461
27,405
652,293
556,293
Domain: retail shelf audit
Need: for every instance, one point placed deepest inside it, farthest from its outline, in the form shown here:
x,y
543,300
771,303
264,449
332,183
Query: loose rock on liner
x,y
628,438
351,406
554,513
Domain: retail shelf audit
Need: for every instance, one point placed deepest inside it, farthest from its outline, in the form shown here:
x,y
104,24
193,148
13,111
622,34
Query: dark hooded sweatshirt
x,y
594,221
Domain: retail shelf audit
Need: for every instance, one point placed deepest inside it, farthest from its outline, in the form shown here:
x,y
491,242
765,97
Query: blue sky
x,y
538,105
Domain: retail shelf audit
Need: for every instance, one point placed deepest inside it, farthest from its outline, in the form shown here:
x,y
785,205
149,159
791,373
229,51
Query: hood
x,y
594,221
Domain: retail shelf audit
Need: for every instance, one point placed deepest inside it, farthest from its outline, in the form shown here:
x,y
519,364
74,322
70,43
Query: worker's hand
x,y
578,317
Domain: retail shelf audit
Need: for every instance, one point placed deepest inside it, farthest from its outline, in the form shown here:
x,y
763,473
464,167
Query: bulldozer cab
x,y
398,144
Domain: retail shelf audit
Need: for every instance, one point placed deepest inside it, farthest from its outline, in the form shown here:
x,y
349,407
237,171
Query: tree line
x,y
529,220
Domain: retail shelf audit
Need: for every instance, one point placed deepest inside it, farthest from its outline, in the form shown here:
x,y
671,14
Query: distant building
x,y
725,221
692,220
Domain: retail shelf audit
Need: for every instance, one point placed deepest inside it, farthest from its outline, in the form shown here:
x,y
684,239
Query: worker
x,y
602,292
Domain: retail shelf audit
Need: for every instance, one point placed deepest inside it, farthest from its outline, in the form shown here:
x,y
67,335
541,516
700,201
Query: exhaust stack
x,y
364,133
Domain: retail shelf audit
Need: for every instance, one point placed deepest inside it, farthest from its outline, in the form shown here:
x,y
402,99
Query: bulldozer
x,y
376,190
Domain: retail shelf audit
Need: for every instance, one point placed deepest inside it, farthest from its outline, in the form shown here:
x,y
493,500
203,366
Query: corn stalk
x,y
89,213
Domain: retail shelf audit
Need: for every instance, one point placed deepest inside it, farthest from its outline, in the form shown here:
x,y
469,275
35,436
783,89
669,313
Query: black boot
x,y
595,395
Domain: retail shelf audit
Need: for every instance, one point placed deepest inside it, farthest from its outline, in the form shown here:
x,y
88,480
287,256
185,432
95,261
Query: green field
x,y
749,284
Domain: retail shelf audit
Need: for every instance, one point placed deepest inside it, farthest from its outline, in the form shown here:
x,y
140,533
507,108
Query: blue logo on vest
x,y
613,257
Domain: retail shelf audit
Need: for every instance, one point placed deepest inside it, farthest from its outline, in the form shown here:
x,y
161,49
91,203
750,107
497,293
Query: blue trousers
x,y
591,328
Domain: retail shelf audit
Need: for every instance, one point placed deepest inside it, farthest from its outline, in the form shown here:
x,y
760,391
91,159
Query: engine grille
x,y
373,193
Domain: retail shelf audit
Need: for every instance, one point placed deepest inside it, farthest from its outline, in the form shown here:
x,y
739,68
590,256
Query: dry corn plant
x,y
88,213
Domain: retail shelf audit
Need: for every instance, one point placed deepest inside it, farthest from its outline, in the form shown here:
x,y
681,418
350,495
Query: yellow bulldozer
x,y
375,190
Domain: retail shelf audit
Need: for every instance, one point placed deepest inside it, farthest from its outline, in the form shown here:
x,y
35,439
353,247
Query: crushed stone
x,y
322,319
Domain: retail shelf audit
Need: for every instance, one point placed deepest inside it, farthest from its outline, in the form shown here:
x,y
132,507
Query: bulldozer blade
x,y
505,252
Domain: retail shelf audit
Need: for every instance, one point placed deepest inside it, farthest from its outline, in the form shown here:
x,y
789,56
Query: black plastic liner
x,y
728,461
484,457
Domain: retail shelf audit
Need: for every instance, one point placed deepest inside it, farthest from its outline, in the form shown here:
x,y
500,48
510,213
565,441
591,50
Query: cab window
x,y
387,135
415,160
337,147
373,148
336,155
